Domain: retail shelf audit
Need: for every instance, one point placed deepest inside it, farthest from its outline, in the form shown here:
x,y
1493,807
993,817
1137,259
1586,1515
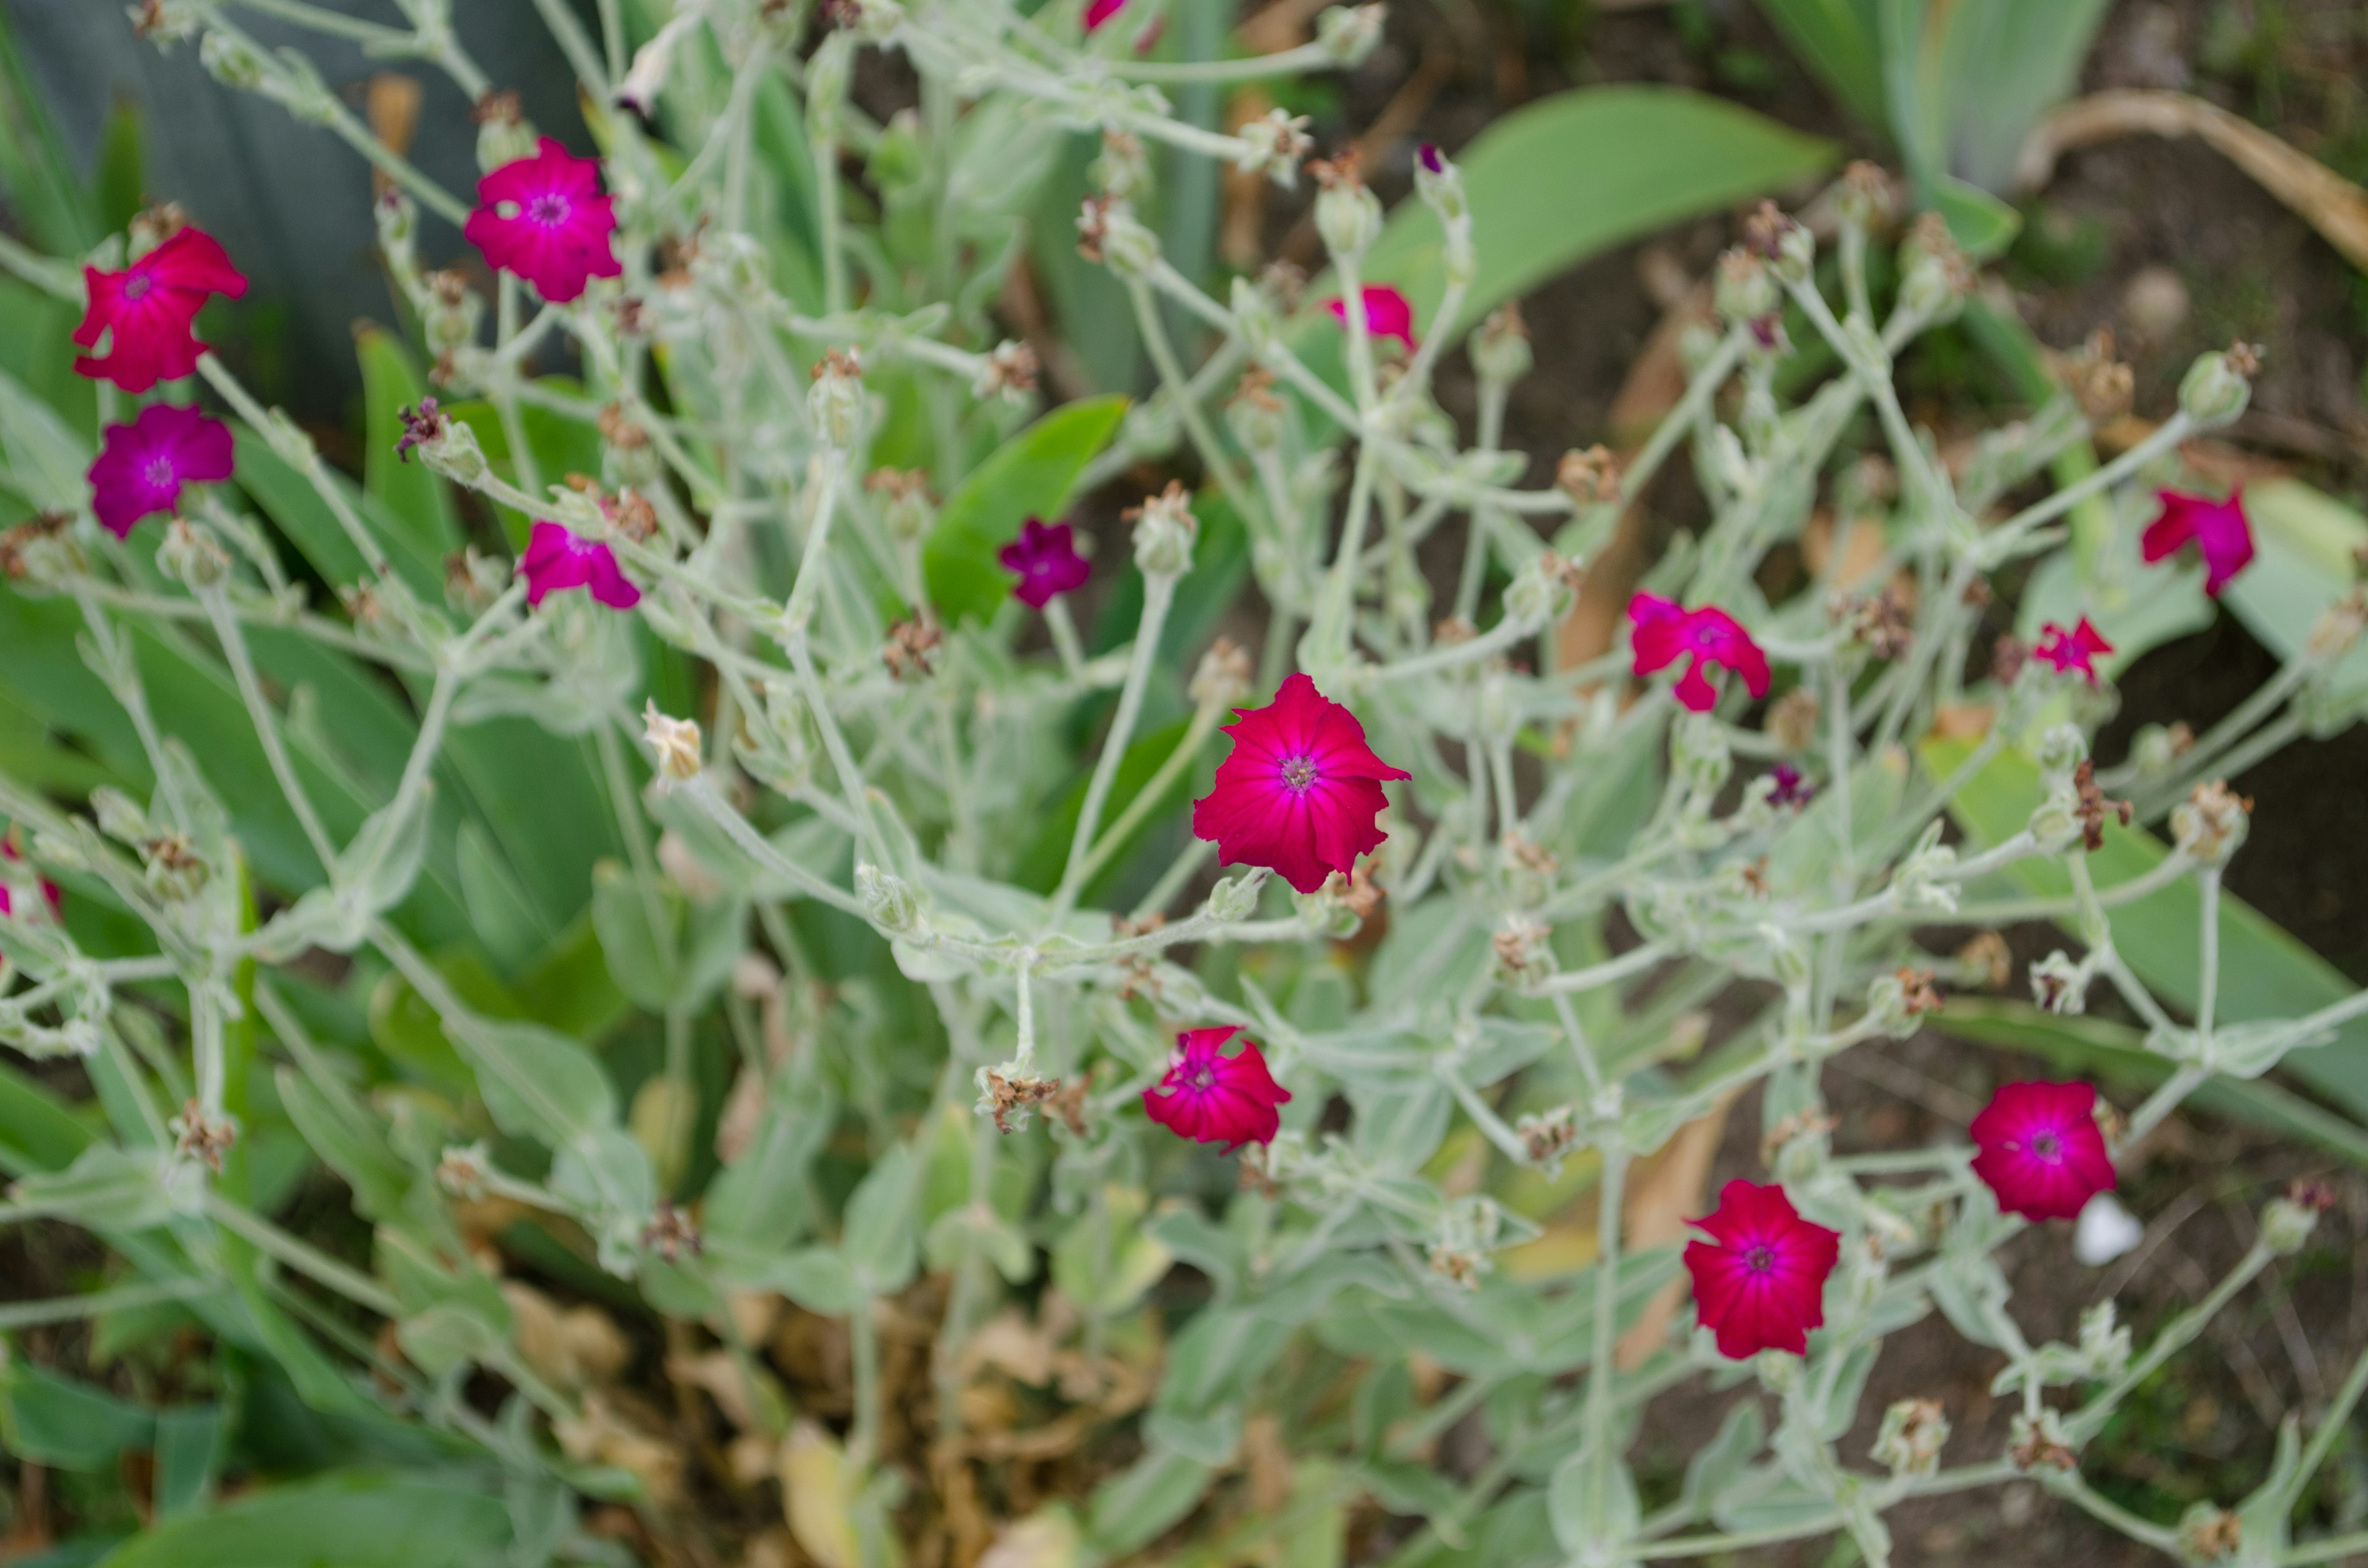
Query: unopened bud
x,y
2218,385
887,899
1913,1433
1745,290
1223,675
1351,33
1500,349
1165,528
1235,898
1865,197
837,398
190,555
1347,215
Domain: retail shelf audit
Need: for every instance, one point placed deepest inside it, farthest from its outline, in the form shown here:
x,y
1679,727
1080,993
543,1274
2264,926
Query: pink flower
x,y
2075,649
1300,791
1667,632
555,560
49,889
2222,534
1046,562
142,466
1388,314
555,233
1759,1282
2040,1150
1101,11
1216,1098
150,308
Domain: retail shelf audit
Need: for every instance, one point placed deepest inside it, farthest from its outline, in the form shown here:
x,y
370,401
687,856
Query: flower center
x,y
159,473
2048,1146
1299,772
548,210
1205,1078
1760,1260
136,287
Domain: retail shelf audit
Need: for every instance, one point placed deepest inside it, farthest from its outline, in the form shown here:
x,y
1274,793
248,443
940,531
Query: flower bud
x,y
119,817
1165,528
1235,898
887,899
446,444
1500,349
837,401
1127,247
176,871
1351,33
1122,172
503,135
906,510
190,555
2217,386
2288,1221
1745,289
2209,1533
1009,372
675,742
1348,216
2058,984
465,1170
1786,245
1440,185
1254,413
1935,276
1864,197
1223,675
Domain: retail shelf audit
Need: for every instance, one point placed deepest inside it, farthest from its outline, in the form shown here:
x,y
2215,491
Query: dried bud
x,y
1009,373
1006,1092
2211,824
1590,477
2095,808
1347,215
1224,674
199,1137
1273,145
1935,275
2208,1533
473,581
2338,628
1745,289
1988,958
420,425
671,1232
1522,952
912,648
190,555
836,400
41,548
1122,172
907,509
1349,33
2041,1443
1549,1137
618,429
675,742
1787,246
465,1170
1882,622
1865,196
176,871
1913,1433
1108,232
1165,529
2101,385
1254,413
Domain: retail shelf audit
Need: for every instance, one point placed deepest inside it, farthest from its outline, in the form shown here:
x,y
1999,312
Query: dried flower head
x,y
1590,477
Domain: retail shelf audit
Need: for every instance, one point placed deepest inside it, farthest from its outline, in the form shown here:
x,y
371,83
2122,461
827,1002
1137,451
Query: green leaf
x,y
2264,972
1047,857
57,1421
37,1131
37,176
120,180
881,1237
682,966
2117,1054
1835,39
1542,202
46,463
190,1447
1130,1509
1979,221
349,1142
2001,65
536,1081
351,1519
1030,475
412,495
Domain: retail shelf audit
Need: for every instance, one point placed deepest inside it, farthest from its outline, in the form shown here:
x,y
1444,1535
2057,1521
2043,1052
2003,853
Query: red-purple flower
x,y
1214,1098
555,560
1046,562
1667,632
149,308
1388,314
2076,649
2219,529
1791,790
1759,1282
1101,11
2040,1150
545,219
1300,791
142,466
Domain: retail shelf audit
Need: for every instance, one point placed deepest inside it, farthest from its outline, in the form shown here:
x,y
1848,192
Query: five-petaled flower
x,y
556,560
1388,314
149,308
2039,1150
142,466
1759,1281
1300,791
1101,11
1667,632
2074,651
1215,1098
1046,562
545,219
2221,532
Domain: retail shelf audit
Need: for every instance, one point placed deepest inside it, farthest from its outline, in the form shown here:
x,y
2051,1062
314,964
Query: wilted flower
x,y
1215,1098
2220,531
1759,1281
544,219
2074,651
1665,633
1300,791
2040,1150
142,466
674,741
149,309
1046,562
556,560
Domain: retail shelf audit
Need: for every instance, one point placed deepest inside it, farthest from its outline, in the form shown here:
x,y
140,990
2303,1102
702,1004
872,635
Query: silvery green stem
x,y
267,725
1158,593
2086,1422
301,1255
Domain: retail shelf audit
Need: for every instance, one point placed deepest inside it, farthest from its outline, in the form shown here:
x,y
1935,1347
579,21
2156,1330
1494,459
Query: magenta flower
x,y
1045,561
1388,314
2040,1150
1759,1282
1665,633
2077,649
150,307
1101,11
1300,791
555,560
142,466
1215,1098
2220,530
1791,790
544,219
